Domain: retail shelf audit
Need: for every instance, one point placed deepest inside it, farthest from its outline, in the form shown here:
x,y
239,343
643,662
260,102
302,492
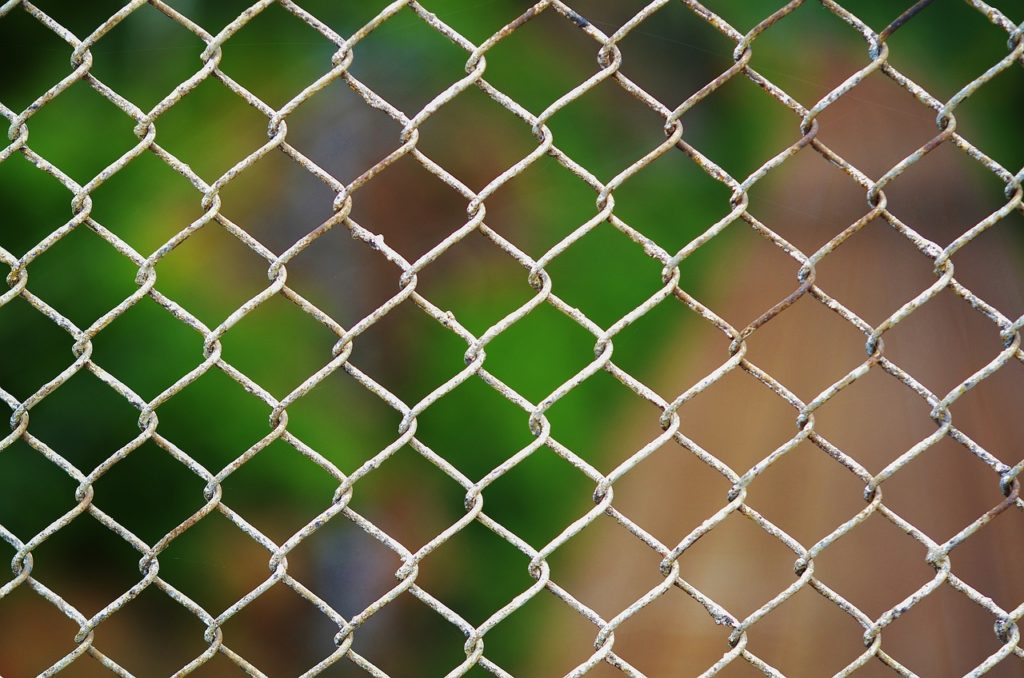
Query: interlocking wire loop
x,y
737,212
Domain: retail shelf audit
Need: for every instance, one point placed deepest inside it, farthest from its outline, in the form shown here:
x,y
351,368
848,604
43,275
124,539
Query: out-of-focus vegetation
x,y
214,420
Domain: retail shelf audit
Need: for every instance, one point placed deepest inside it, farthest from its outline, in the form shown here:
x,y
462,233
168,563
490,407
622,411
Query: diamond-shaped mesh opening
x,y
539,497
606,130
475,582
302,487
800,347
652,201
673,34
29,621
741,439
609,294
862,274
419,64
478,282
392,496
969,341
214,563
274,326
211,298
501,429
191,420
738,550
90,263
876,125
646,348
417,222
345,566
791,493
546,41
147,348
145,204
961,651
302,202
133,638
26,511
540,352
774,285
392,352
344,151
65,130
800,620
808,200
343,277
693,489
85,421
607,585
923,500
33,200
86,564
126,492
718,126
689,640
80,20
256,632
853,566
39,349
45,57
343,421
594,422
211,144
943,195
539,206
900,418
259,56
136,36
492,139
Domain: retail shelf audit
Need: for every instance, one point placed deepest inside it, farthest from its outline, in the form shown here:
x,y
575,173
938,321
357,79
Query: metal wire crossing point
x,y
739,213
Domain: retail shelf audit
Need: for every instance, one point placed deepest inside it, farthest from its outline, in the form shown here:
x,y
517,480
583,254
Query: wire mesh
x,y
739,213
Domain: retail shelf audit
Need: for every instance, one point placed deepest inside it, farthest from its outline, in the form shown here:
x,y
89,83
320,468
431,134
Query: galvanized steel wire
x,y
738,213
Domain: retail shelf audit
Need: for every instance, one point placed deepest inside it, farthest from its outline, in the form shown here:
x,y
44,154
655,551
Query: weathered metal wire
x,y
609,58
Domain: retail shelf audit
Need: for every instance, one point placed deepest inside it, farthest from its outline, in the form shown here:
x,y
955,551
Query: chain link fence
x,y
739,212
